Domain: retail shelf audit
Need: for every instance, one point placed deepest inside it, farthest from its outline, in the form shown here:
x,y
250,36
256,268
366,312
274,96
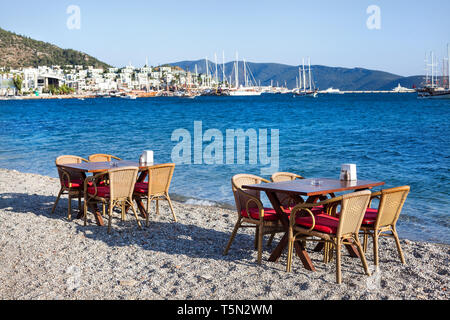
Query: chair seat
x,y
76,183
323,223
269,214
315,210
141,187
102,192
370,217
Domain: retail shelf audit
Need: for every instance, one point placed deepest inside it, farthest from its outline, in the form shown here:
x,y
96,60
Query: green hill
x,y
17,51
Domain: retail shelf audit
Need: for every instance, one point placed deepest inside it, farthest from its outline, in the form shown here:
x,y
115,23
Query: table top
x,y
305,187
95,167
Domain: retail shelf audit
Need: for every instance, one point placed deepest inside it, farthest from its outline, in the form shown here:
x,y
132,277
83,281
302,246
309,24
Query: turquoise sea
x,y
395,138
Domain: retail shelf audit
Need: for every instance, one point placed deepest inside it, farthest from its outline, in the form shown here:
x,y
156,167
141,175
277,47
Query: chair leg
x,y
338,262
171,208
290,251
256,238
260,243
69,209
147,222
85,211
375,248
110,217
135,215
366,240
57,200
362,256
399,248
79,203
233,235
157,206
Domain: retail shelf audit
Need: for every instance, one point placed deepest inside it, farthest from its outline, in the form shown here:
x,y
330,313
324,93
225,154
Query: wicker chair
x,y
251,213
306,226
102,158
119,192
71,182
157,187
377,222
286,201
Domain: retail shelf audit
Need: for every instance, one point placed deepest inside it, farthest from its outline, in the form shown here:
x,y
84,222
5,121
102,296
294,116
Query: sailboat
x,y
432,90
246,90
309,89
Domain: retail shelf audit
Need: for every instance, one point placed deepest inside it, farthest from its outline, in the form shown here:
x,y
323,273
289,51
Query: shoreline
x,y
47,257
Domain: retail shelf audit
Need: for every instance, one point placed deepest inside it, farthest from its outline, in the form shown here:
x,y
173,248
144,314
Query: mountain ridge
x,y
324,77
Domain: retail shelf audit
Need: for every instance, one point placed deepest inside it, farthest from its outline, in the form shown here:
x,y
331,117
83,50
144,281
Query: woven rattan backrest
x,y
285,176
391,205
354,206
69,160
100,158
241,200
122,181
159,178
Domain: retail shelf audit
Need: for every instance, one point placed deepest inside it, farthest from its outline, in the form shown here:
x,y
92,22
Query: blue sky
x,y
331,32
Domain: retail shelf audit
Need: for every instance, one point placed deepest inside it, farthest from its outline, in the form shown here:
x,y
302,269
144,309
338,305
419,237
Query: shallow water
x,y
395,138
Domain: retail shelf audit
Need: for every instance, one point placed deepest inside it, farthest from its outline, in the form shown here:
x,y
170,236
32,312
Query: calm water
x,y
394,138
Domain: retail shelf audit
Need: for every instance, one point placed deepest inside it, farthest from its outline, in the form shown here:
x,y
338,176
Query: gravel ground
x,y
43,256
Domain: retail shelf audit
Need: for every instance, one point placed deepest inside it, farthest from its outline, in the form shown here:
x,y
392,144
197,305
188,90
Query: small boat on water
x,y
129,97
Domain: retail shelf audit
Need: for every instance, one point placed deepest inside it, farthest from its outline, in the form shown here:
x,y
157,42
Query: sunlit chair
x,y
304,225
251,213
384,219
71,182
118,192
157,187
102,158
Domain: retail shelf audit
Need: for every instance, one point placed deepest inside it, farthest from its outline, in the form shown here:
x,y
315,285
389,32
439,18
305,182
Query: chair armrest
x,y
293,217
254,200
93,180
113,157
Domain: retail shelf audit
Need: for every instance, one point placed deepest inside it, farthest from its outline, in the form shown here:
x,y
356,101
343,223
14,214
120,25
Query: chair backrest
x,y
241,200
285,176
69,160
159,178
353,210
391,205
122,182
102,158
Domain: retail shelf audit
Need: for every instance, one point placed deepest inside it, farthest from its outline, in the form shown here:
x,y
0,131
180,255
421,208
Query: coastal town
x,y
77,81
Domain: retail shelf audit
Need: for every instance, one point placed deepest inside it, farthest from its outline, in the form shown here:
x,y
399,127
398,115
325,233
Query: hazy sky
x,y
331,32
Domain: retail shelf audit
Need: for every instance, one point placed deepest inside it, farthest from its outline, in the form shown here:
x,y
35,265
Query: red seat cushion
x,y
141,187
269,214
102,192
370,217
323,223
75,183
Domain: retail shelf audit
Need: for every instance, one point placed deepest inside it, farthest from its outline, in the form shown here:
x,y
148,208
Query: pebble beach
x,y
44,256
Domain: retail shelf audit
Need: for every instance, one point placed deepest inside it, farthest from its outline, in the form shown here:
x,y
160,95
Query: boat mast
x,y
216,75
237,71
223,68
207,72
245,75
299,79
304,76
448,65
310,81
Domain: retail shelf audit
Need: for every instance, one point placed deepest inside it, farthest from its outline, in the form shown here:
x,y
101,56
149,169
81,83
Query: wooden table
x,y
98,167
305,187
